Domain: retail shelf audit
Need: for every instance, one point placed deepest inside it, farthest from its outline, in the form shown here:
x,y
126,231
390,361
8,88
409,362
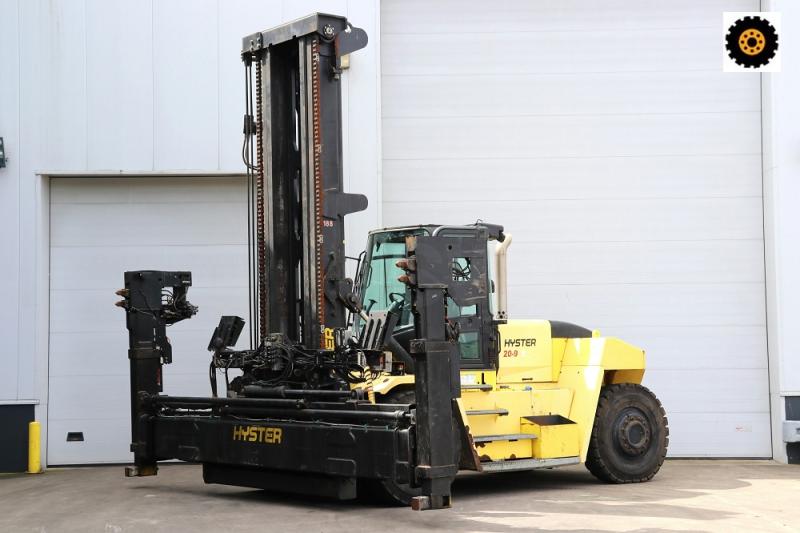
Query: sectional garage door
x,y
624,162
100,227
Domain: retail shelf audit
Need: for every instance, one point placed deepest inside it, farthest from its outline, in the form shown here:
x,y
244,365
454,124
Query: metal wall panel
x,y
629,175
9,196
119,65
186,87
782,221
66,116
34,112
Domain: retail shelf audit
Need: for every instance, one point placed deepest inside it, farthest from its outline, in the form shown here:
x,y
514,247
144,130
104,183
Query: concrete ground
x,y
685,496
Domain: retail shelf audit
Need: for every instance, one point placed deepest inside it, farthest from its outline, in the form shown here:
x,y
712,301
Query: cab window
x,y
379,284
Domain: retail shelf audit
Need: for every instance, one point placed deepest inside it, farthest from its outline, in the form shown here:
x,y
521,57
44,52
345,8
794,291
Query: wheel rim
x,y
633,433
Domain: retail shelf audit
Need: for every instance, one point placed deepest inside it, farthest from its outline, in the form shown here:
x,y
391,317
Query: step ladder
x,y
479,386
508,437
481,412
512,465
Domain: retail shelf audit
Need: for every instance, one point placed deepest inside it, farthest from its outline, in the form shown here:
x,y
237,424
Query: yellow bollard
x,y
34,448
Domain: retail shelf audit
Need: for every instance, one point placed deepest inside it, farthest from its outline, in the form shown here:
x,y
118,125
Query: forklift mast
x,y
293,154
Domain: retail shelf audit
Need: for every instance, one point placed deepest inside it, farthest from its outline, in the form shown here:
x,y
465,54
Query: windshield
x,y
379,284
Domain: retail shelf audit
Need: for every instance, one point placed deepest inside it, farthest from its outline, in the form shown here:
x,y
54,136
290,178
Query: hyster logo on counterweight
x,y
262,434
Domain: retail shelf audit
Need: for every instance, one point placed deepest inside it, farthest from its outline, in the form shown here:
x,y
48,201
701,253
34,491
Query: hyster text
x,y
519,343
263,434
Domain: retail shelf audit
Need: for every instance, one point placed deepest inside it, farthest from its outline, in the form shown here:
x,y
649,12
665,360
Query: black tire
x,y
630,435
751,42
388,491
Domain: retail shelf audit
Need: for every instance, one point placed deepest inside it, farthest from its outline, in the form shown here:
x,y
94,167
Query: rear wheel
x,y
630,435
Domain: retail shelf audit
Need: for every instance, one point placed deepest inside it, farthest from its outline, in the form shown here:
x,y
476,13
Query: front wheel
x,y
630,435
388,490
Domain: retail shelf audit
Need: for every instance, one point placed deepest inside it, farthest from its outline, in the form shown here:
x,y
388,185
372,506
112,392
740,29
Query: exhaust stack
x,y
501,277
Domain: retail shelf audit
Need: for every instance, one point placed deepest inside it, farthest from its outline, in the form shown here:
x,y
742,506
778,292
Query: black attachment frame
x,y
153,300
311,441
436,350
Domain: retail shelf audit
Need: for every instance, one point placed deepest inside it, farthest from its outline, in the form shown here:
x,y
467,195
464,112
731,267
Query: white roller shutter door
x,y
99,228
606,138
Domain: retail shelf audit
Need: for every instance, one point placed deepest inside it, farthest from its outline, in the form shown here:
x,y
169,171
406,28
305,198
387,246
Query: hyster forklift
x,y
396,380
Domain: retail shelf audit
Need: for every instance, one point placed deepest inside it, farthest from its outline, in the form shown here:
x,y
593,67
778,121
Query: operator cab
x,y
377,288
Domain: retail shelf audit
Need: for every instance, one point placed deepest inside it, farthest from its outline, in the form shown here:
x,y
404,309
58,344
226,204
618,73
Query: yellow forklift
x,y
396,380
534,393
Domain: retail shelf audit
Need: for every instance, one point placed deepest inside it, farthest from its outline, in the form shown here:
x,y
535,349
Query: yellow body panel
x,y
538,375
526,353
517,402
387,383
552,441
